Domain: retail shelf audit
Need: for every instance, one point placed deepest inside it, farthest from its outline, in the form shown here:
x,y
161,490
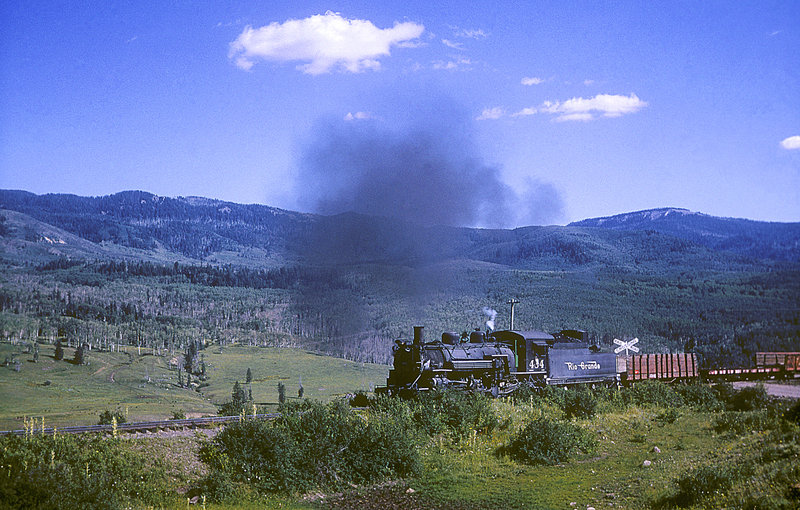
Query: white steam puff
x,y
492,314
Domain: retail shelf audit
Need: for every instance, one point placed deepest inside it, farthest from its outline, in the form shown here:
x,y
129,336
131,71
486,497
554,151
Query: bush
x,y
701,397
312,446
793,414
703,482
743,422
580,403
107,416
750,399
670,415
725,392
75,472
453,413
652,393
547,441
360,399
179,415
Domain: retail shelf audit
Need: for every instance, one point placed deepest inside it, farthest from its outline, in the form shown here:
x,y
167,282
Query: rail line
x,y
142,425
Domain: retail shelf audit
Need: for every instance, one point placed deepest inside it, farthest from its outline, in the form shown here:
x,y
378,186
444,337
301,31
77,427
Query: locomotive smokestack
x,y
418,335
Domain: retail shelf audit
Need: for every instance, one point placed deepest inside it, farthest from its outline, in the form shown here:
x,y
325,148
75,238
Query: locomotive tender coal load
x,y
498,362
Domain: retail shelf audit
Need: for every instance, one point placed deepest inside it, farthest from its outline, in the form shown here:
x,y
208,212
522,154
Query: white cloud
x,y
525,112
791,143
469,33
358,116
325,41
605,105
451,65
588,82
532,81
583,117
452,44
491,113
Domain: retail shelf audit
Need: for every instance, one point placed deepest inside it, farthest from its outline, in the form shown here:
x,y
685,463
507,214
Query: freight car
x,y
786,362
664,367
497,362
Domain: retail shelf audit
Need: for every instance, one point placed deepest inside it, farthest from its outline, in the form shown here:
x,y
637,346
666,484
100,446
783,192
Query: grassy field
x,y
141,385
612,475
456,475
472,475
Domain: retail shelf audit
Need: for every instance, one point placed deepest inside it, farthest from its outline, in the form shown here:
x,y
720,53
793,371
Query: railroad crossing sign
x,y
626,346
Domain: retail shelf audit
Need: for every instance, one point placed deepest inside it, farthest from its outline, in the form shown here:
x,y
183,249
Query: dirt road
x,y
775,390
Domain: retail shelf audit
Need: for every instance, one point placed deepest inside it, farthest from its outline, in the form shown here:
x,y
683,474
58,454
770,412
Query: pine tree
x,y
238,396
281,393
80,355
59,354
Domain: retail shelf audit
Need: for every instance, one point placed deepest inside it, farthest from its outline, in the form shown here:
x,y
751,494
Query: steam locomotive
x,y
497,362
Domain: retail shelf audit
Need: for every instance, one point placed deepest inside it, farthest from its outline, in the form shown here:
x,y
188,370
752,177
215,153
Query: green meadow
x,y
142,385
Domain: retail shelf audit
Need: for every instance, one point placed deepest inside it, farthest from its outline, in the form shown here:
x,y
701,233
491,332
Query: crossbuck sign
x,y
626,346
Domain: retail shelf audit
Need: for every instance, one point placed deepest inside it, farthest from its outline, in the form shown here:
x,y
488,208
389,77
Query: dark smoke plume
x,y
410,184
427,172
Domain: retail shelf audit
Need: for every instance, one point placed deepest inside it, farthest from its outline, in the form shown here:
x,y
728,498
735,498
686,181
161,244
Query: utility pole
x,y
512,302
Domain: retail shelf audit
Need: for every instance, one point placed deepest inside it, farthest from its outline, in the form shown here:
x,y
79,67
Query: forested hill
x,y
764,240
193,229
137,265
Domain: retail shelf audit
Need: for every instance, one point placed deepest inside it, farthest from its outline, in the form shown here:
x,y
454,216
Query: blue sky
x,y
577,109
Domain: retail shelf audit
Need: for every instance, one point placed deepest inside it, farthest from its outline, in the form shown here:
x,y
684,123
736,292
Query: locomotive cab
x,y
530,350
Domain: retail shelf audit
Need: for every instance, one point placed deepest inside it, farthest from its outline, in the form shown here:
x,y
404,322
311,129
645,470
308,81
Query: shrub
x,y
453,413
670,415
525,393
107,416
743,422
793,414
179,415
701,397
547,441
750,399
360,399
652,393
312,446
580,403
75,472
725,392
703,482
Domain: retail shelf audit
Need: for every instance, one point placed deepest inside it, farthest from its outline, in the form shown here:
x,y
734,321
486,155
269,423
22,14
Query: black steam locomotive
x,y
497,362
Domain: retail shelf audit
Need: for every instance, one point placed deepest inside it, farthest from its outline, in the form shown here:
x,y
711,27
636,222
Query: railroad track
x,y
142,425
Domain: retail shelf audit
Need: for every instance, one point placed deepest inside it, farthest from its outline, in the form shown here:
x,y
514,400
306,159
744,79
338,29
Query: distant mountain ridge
x,y
140,224
759,239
